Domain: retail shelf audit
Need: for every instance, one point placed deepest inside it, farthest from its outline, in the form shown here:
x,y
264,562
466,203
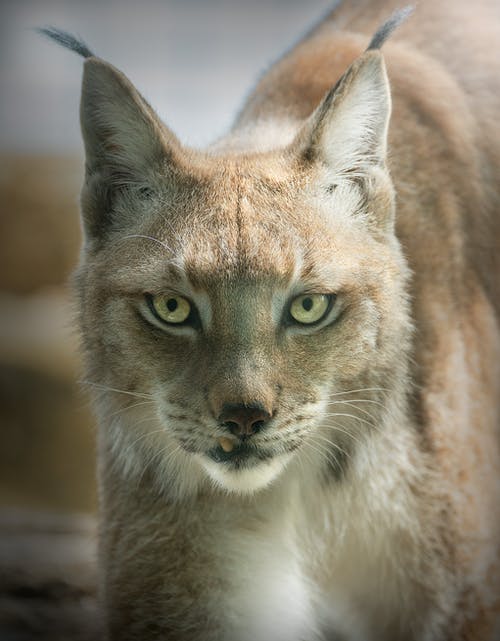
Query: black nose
x,y
244,420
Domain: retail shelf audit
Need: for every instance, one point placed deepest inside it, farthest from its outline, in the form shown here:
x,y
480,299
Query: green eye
x,y
170,308
310,308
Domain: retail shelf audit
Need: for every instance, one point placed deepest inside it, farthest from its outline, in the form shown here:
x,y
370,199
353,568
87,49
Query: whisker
x,y
335,426
303,451
122,410
356,418
107,388
352,404
362,389
168,223
287,429
335,445
130,447
142,436
160,452
301,462
324,453
152,238
147,419
357,400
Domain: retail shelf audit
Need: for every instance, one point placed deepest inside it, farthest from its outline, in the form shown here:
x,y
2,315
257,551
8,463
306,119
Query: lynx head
x,y
237,307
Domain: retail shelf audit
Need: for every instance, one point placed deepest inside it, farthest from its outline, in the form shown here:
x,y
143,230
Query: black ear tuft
x,y
65,39
383,32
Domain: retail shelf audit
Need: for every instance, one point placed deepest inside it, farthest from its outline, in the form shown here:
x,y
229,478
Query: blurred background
x,y
194,60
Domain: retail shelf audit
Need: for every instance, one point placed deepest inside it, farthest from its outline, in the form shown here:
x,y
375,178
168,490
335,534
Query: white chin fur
x,y
248,480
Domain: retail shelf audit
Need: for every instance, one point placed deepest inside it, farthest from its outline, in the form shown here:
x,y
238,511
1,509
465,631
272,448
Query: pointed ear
x,y
345,142
348,131
126,144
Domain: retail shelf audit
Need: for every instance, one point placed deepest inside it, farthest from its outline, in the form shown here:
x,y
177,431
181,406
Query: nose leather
x,y
244,419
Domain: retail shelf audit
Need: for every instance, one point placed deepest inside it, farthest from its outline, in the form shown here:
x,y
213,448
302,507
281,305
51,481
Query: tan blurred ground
x,y
46,429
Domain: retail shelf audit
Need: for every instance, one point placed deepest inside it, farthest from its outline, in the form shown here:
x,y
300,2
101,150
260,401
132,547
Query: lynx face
x,y
246,299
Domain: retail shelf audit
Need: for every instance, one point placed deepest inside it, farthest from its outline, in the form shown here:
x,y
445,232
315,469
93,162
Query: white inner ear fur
x,y
353,132
336,195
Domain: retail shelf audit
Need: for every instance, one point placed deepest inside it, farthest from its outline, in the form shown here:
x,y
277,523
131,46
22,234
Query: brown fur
x,y
393,532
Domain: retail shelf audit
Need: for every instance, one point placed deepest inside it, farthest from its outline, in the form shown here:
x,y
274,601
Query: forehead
x,y
246,225
239,223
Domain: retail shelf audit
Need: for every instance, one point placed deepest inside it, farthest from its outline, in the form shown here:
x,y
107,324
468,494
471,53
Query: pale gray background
x,y
194,61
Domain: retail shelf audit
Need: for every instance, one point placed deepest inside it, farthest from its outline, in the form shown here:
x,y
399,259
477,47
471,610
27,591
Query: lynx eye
x,y
310,308
170,308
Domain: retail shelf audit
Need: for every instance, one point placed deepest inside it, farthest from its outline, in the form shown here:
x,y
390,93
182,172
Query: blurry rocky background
x,y
194,60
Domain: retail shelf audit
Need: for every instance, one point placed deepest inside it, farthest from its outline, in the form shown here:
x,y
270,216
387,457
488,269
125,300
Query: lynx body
x,y
293,337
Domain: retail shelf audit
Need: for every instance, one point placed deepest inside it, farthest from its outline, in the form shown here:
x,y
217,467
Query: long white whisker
x,y
107,388
168,223
356,418
154,457
357,400
122,410
307,454
360,409
152,238
362,389
130,446
338,428
301,462
324,453
142,436
335,445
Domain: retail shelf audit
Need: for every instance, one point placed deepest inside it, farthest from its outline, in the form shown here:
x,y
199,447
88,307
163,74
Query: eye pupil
x,y
310,308
307,304
172,304
172,309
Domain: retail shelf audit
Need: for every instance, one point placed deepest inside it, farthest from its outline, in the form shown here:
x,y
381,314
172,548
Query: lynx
x,y
293,341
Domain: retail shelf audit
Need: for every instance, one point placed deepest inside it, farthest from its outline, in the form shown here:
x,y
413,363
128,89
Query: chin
x,y
248,479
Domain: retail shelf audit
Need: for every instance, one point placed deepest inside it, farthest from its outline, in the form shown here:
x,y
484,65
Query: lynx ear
x,y
348,131
125,142
346,139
